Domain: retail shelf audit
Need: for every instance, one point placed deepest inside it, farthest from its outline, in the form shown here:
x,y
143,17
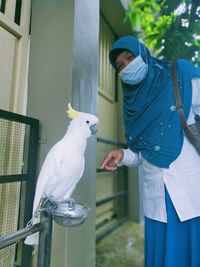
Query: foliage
x,y
169,28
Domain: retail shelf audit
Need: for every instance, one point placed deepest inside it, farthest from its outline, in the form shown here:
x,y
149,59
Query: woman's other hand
x,y
112,159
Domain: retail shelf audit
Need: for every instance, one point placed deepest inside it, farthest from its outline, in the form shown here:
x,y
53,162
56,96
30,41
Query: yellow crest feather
x,y
72,113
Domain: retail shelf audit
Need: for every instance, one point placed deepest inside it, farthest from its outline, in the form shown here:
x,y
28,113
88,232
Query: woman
x,y
170,163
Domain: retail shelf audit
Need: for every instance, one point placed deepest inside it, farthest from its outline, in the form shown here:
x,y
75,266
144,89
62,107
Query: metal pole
x,y
18,235
44,247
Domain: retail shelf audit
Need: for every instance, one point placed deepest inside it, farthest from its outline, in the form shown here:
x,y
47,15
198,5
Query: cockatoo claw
x,y
49,202
71,203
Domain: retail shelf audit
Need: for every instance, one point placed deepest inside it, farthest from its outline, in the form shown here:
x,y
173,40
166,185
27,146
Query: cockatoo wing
x,y
62,185
58,178
49,169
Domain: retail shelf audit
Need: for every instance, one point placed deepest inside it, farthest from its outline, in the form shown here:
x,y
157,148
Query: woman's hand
x,y
112,159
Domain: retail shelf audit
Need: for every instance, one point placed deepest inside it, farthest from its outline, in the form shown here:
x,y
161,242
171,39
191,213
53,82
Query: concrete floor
x,y
124,247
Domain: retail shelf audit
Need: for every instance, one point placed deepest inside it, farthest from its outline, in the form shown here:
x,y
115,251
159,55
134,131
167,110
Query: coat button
x,y
130,138
156,148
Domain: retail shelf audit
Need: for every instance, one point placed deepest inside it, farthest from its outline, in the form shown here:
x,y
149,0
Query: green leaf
x,y
157,21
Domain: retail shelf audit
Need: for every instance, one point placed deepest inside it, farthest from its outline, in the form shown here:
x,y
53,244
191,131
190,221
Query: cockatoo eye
x,y
87,122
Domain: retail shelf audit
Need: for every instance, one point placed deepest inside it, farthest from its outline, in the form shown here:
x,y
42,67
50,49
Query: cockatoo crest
x,y
72,113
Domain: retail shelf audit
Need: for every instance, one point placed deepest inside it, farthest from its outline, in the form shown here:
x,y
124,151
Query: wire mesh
x,y
13,137
7,256
14,148
9,207
9,217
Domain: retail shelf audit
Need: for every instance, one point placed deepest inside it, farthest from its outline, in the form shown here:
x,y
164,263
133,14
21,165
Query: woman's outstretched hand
x,y
112,159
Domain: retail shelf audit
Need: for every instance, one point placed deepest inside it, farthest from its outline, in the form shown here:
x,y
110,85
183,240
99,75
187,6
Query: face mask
x,y
135,71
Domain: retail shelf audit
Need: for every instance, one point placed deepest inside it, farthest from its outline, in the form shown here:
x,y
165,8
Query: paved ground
x,y
124,247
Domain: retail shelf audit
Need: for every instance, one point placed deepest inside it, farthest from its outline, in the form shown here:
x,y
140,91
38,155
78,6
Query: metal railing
x,y
117,196
44,247
111,198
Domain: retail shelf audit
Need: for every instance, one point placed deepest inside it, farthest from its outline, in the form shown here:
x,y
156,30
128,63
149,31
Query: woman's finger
x,y
108,157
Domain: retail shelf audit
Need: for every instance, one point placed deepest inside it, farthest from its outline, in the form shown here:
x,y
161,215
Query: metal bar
x,y
13,178
109,229
110,198
15,237
110,142
119,168
101,170
32,164
44,248
17,117
30,184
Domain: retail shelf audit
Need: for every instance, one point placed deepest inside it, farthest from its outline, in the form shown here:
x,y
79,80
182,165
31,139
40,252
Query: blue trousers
x,y
172,244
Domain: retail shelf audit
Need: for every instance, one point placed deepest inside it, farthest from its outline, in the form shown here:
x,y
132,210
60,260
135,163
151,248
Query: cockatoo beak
x,y
93,129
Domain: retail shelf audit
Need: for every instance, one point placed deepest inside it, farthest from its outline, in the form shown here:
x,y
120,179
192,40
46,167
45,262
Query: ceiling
x,y
114,14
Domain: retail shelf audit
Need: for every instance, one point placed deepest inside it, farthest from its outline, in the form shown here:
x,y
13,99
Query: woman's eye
x,y
120,68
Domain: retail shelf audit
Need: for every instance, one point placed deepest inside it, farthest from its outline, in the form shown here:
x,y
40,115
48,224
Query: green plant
x,y
169,28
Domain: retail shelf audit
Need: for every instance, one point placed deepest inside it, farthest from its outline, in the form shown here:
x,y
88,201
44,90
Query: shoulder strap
x,y
191,132
179,104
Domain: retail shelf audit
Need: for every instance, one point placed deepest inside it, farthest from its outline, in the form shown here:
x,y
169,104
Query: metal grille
x,y
18,146
111,208
9,206
7,256
13,137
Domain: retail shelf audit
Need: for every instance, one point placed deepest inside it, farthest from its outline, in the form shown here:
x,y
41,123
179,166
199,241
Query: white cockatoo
x,y
64,164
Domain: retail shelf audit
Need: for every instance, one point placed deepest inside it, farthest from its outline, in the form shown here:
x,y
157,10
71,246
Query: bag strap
x,y
179,107
179,104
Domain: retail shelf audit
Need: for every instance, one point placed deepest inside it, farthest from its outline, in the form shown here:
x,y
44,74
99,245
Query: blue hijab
x,y
152,125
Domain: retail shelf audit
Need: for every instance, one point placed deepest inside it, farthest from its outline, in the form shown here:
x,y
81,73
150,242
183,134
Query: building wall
x,y
14,45
135,207
107,112
112,128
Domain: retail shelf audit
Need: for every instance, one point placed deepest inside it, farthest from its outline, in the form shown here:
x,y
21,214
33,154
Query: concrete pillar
x,y
64,66
81,241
